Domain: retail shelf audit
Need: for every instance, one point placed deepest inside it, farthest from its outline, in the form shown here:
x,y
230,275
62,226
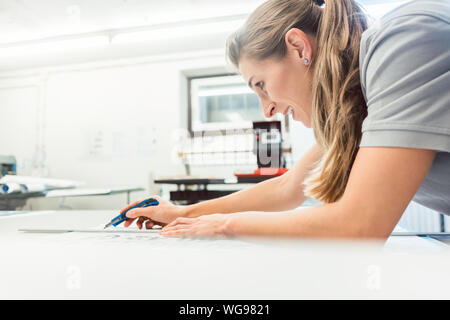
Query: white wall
x,y
18,122
126,103
302,139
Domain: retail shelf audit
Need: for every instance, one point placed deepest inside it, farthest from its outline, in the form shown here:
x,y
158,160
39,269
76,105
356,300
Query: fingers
x,y
180,227
131,216
139,222
137,202
135,213
180,220
180,231
138,212
141,214
130,205
149,224
128,222
205,226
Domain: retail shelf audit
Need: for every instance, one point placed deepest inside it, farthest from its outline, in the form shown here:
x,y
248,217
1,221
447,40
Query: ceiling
x,y
22,20
29,26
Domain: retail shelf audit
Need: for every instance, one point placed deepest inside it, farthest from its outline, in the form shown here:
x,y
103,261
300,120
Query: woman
x,y
378,101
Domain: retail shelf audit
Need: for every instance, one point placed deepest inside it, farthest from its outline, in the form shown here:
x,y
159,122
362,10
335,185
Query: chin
x,y
300,115
307,124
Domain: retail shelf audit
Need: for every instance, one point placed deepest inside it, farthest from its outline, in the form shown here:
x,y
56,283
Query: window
x,y
220,120
222,102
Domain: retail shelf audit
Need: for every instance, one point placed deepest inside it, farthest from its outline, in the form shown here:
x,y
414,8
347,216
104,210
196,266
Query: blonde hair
x,y
338,105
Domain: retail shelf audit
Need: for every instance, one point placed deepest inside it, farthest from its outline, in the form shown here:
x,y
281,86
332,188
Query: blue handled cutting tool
x,y
122,217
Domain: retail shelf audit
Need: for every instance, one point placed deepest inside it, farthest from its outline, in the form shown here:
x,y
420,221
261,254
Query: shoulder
x,y
410,16
404,63
421,27
435,8
413,12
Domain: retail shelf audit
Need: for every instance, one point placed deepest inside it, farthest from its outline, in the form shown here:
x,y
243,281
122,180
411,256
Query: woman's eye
x,y
260,84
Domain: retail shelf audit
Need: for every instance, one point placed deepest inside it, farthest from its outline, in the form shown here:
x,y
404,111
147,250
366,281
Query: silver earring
x,y
306,61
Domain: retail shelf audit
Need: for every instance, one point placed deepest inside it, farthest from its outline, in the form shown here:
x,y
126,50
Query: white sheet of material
x,y
127,264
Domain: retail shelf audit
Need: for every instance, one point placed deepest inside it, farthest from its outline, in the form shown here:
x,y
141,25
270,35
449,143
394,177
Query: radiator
x,y
422,219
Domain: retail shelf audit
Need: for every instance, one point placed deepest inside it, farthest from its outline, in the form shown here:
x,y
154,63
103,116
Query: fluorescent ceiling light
x,y
64,45
36,48
176,31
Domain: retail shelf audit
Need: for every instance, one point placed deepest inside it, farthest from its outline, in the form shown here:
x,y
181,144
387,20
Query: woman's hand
x,y
204,226
162,214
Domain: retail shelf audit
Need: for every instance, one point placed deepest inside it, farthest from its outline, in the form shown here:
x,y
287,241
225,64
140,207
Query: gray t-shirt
x,y
405,78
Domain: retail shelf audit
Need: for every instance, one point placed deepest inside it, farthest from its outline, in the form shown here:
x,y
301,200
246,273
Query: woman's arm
x,y
276,194
381,184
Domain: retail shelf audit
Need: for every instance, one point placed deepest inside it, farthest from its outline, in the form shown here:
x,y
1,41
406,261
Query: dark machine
x,y
268,144
7,165
268,147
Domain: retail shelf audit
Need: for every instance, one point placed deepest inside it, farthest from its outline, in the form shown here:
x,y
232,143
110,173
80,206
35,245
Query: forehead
x,y
258,68
251,67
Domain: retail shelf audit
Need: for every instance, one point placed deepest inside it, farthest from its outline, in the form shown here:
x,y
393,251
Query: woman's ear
x,y
297,42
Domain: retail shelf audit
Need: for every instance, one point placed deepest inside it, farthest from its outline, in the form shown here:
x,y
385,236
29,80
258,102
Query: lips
x,y
285,112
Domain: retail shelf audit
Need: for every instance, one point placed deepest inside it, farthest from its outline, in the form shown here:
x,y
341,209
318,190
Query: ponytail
x,y
338,107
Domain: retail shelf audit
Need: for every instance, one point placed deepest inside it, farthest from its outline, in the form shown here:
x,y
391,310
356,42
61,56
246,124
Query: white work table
x,y
148,266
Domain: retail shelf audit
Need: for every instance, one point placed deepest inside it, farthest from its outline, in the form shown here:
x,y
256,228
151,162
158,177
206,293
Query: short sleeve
x,y
405,78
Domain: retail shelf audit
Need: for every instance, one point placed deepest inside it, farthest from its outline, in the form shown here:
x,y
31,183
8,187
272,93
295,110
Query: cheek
x,y
277,91
282,88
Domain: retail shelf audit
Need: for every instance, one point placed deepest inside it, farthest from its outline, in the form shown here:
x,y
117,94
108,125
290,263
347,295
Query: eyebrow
x,y
250,82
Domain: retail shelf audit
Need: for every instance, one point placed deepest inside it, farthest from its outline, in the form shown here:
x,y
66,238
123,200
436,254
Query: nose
x,y
269,110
